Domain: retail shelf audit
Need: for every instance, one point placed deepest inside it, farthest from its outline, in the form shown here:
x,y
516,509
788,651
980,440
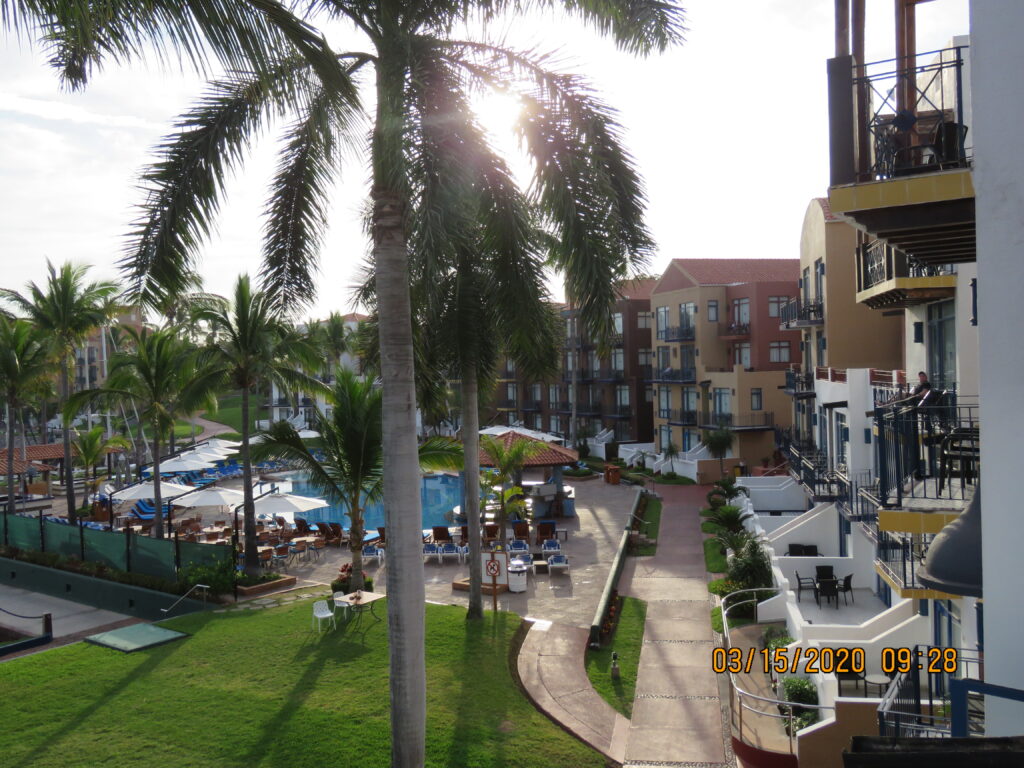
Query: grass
x,y
677,480
229,411
716,620
626,641
713,528
652,514
259,688
714,557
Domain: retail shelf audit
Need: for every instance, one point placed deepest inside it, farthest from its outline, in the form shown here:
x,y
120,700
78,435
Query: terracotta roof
x,y
732,271
640,288
47,452
355,317
827,209
21,467
551,455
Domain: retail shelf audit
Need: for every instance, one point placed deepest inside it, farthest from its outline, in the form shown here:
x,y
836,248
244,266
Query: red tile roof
x,y
732,271
827,209
551,455
639,288
355,317
21,467
46,452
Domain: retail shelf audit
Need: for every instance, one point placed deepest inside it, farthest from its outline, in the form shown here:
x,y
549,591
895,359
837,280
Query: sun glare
x,y
497,113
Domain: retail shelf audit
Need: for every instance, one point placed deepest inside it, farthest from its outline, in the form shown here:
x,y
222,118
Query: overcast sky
x,y
730,132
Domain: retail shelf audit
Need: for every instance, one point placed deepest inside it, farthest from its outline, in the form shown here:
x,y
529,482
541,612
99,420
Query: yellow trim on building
x,y
906,190
904,521
907,284
917,594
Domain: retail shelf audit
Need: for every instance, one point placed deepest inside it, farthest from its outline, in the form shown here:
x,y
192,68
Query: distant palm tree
x,y
253,346
508,463
349,469
166,378
26,359
719,442
92,448
68,309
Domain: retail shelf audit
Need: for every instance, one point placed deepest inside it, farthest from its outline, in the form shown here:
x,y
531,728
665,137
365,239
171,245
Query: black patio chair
x,y
824,572
846,587
805,582
829,589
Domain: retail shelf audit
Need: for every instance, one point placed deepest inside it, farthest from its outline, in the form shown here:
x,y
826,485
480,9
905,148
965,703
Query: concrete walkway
x,y
677,714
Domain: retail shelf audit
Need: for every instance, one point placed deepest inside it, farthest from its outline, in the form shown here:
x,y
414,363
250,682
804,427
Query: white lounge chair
x,y
371,552
323,612
558,563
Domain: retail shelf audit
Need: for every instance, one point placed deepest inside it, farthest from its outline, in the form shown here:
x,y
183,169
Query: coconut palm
x,y
26,359
253,346
67,308
584,182
719,442
167,379
92,448
349,467
508,463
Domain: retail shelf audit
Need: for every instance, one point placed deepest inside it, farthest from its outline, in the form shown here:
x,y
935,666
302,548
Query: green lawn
x,y
259,688
229,411
716,620
628,638
653,515
714,557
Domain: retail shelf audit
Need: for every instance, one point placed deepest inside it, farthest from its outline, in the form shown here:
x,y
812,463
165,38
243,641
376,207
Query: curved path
x,y
211,428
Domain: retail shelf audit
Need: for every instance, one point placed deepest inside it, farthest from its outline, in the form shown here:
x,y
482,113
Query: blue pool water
x,y
438,494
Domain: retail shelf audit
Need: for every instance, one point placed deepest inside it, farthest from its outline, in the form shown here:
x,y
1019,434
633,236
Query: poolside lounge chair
x,y
525,558
373,552
521,530
517,547
491,533
382,536
545,531
431,550
339,533
323,612
550,547
442,535
448,549
558,562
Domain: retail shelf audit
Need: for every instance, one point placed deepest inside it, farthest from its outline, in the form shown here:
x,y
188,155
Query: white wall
x,y
997,59
966,334
774,493
820,528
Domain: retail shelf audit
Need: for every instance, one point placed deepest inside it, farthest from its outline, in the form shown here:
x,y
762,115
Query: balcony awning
x,y
836,404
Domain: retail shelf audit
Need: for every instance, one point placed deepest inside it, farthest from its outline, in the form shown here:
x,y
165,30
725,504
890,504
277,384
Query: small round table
x,y
882,681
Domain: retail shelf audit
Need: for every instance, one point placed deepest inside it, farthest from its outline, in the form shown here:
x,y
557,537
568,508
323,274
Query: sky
x,y
729,131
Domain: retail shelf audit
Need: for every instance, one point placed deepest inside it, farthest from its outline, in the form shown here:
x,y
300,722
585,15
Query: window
x,y
689,440
819,274
778,352
665,437
756,399
570,362
592,359
570,327
622,396
552,394
664,402
617,322
942,343
649,394
643,320
662,315
618,360
645,356
553,425
510,367
510,392
741,354
538,421
663,358
713,311
775,305
535,392
722,400
687,314
741,311
690,399
805,285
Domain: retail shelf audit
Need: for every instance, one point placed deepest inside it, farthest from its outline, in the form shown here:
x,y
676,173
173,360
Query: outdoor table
x,y
358,601
882,681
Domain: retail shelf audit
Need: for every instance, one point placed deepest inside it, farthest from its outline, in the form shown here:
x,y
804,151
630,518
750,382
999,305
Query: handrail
x,y
194,587
613,578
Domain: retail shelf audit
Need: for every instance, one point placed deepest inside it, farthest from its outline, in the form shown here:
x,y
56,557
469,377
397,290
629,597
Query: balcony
x,y
823,373
734,331
800,385
620,411
796,313
900,559
682,417
919,704
565,406
678,375
677,333
531,405
888,278
507,374
900,159
928,459
611,374
508,405
740,422
809,467
616,340
588,409
647,372
856,497
582,375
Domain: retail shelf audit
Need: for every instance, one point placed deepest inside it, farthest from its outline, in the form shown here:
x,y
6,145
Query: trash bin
x,y
614,475
517,576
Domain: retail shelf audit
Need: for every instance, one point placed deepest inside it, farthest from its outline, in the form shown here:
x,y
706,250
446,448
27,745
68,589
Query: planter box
x,y
269,586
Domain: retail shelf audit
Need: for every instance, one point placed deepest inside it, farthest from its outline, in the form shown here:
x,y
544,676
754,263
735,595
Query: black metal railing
x,y
798,383
754,420
611,374
915,114
675,374
564,406
646,372
810,467
927,451
677,333
855,496
508,404
531,405
902,556
918,703
616,340
878,262
683,417
734,329
797,313
588,409
620,410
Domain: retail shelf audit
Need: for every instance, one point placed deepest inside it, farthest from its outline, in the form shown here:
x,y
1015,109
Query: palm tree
x,y
166,377
584,181
350,471
26,359
508,462
252,347
68,309
719,442
92,448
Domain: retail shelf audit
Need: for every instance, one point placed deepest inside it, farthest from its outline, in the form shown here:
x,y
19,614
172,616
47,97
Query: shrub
x,y
219,578
775,637
722,587
344,580
736,541
729,517
799,690
577,472
751,566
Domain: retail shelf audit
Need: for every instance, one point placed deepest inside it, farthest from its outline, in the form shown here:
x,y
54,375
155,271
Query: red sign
x,y
493,568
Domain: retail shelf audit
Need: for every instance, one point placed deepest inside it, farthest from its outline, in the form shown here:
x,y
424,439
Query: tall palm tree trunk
x,y
402,513
158,513
10,509
356,534
252,555
69,471
471,484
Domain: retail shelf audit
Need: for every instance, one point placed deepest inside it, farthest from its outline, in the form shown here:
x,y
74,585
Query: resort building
x,y
720,357
611,392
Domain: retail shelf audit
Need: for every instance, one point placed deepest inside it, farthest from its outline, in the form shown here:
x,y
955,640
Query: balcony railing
x,y
902,557
620,411
907,114
509,405
879,264
797,313
918,703
507,373
856,496
588,409
677,333
928,456
822,373
734,330
611,374
755,420
810,467
683,417
675,374
798,383
531,405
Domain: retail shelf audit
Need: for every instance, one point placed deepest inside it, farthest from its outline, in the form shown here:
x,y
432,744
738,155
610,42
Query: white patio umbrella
x,y
184,464
211,497
203,453
223,445
145,491
547,437
278,503
306,434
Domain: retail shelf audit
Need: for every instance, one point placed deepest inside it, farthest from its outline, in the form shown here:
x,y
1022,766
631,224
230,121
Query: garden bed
x,y
267,586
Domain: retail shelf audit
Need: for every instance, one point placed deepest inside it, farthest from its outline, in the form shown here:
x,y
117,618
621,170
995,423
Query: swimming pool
x,y
438,494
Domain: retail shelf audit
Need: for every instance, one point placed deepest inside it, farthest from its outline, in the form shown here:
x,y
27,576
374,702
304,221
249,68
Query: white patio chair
x,y
323,612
